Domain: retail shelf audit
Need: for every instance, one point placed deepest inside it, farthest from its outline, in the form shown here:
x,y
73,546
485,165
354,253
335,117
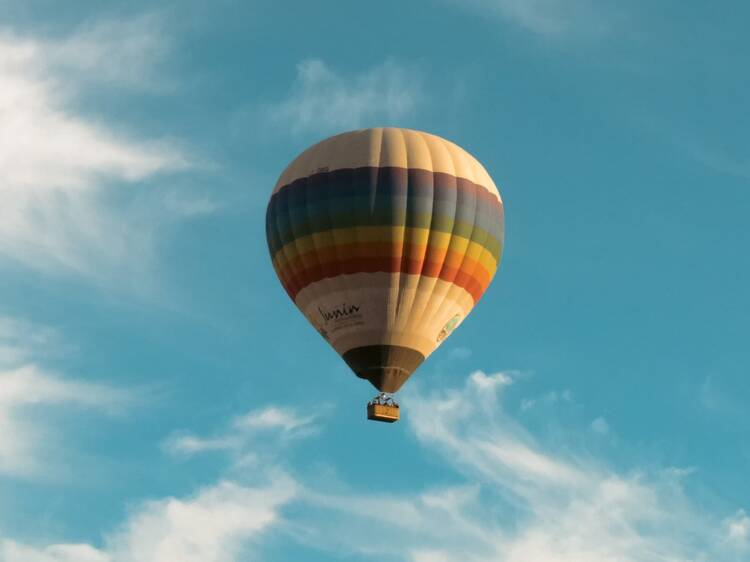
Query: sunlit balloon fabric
x,y
385,239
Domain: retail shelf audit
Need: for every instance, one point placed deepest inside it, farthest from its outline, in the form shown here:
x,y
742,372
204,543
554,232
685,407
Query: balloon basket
x,y
383,408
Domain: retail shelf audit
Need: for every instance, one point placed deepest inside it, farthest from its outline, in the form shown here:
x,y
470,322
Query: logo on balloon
x,y
337,318
450,325
344,311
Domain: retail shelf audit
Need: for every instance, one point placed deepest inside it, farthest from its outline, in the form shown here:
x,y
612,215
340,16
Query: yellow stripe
x,y
306,247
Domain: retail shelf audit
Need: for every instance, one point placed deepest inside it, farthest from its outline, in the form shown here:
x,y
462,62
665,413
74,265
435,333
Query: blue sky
x,y
158,394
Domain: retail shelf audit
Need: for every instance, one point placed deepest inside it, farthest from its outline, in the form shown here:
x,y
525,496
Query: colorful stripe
x,y
385,219
382,196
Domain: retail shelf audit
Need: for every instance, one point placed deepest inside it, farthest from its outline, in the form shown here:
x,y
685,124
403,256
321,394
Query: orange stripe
x,y
327,259
475,284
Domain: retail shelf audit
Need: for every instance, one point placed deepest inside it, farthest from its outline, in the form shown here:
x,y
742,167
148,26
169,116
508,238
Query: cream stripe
x,y
399,147
374,325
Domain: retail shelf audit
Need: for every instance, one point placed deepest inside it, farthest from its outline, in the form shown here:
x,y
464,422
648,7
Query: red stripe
x,y
475,285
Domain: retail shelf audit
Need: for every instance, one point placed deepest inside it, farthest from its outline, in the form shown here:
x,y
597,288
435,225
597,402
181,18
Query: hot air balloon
x,y
385,239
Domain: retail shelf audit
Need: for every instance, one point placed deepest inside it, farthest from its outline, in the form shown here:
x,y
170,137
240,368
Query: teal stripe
x,y
356,198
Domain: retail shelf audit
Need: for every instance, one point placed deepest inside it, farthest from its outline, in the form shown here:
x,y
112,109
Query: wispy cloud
x,y
244,430
519,500
600,426
323,100
724,161
273,417
28,435
221,522
551,19
187,205
27,390
738,530
713,398
523,500
214,525
549,398
13,551
491,382
56,166
123,52
22,341
459,353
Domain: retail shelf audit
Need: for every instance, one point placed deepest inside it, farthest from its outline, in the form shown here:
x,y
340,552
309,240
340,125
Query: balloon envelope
x,y
385,239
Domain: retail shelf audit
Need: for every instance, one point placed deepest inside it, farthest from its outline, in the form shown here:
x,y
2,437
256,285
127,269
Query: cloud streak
x,y
28,393
522,500
518,500
549,19
243,432
323,100
56,166
213,525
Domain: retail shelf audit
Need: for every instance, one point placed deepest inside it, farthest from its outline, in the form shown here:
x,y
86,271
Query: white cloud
x,y
738,530
600,426
490,382
186,205
459,353
221,522
16,552
274,418
21,340
191,444
122,52
548,399
243,431
551,19
29,395
527,404
509,454
526,501
323,100
520,500
716,400
27,435
56,166
215,525
30,385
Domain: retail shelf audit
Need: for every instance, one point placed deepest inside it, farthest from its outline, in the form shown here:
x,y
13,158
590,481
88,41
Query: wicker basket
x,y
382,412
